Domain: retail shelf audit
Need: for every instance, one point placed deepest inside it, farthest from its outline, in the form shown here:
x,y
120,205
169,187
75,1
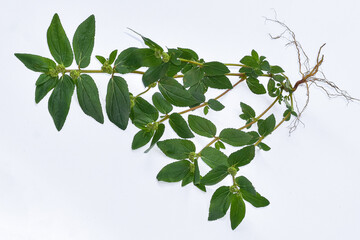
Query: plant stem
x,y
235,64
147,89
262,114
190,61
278,125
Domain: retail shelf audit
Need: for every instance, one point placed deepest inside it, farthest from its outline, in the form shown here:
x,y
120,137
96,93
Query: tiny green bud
x,y
192,156
153,85
165,57
60,68
157,53
232,171
52,72
132,101
234,189
152,126
75,74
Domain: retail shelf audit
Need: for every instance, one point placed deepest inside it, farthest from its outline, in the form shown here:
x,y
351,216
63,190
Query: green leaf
x,y
255,86
44,84
60,99
235,137
147,57
197,176
158,134
177,148
36,63
249,61
58,43
101,59
141,138
143,113
187,179
197,91
133,58
242,157
215,68
255,137
255,55
154,74
174,172
118,102
214,157
249,193
175,93
202,126
263,146
193,76
161,104
256,200
245,185
88,96
179,125
148,42
215,105
83,42
188,54
265,66
271,88
206,110
215,175
112,56
248,111
266,126
219,203
276,69
237,211
127,61
278,78
218,82
219,145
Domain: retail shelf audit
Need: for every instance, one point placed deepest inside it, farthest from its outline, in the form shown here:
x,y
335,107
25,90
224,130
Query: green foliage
x,y
215,105
58,43
237,211
174,172
213,157
235,137
219,203
164,68
161,104
36,63
175,93
215,175
202,126
88,96
83,42
179,125
59,101
177,148
44,84
266,126
242,157
118,102
141,138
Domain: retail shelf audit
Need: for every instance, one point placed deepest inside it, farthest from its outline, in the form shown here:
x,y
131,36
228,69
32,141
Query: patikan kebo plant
x,y
163,70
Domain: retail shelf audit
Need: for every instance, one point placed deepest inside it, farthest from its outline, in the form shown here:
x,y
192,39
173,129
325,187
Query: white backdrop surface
x,y
85,182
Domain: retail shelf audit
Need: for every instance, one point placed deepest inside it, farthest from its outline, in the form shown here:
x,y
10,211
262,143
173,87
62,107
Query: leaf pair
x,y
220,203
60,99
83,42
223,198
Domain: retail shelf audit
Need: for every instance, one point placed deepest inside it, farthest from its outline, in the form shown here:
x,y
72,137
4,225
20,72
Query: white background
x,y
85,182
